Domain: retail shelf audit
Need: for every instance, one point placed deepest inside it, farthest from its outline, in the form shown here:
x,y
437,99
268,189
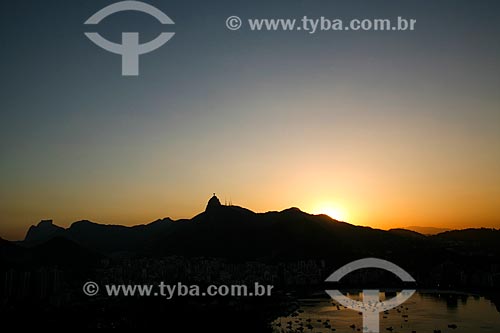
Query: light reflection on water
x,y
423,312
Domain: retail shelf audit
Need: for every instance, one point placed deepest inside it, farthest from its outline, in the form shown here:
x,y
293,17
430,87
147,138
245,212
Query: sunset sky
x,y
384,129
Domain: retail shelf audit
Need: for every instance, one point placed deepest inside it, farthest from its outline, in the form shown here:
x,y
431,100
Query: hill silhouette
x,y
11,253
43,231
231,231
103,238
57,251
407,233
235,232
483,240
427,230
62,252
227,243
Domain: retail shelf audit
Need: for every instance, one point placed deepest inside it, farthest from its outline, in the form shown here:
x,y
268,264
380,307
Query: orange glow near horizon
x,y
386,130
334,211
393,162
371,209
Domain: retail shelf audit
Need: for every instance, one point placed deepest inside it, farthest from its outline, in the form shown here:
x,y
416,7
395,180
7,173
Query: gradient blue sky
x,y
378,128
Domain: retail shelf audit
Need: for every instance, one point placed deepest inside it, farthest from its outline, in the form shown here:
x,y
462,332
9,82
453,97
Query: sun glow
x,y
333,211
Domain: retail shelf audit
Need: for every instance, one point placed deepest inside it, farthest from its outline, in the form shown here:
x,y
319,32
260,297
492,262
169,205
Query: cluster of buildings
x,y
58,286
45,283
212,271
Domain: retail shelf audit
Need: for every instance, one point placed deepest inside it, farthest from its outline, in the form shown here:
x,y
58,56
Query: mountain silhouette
x,y
43,231
228,233
235,232
62,252
232,231
100,237
483,240
11,253
57,251
407,233
427,230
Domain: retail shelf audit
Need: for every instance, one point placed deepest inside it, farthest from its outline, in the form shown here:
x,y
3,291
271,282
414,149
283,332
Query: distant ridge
x,y
43,231
104,238
235,232
406,232
223,231
427,230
